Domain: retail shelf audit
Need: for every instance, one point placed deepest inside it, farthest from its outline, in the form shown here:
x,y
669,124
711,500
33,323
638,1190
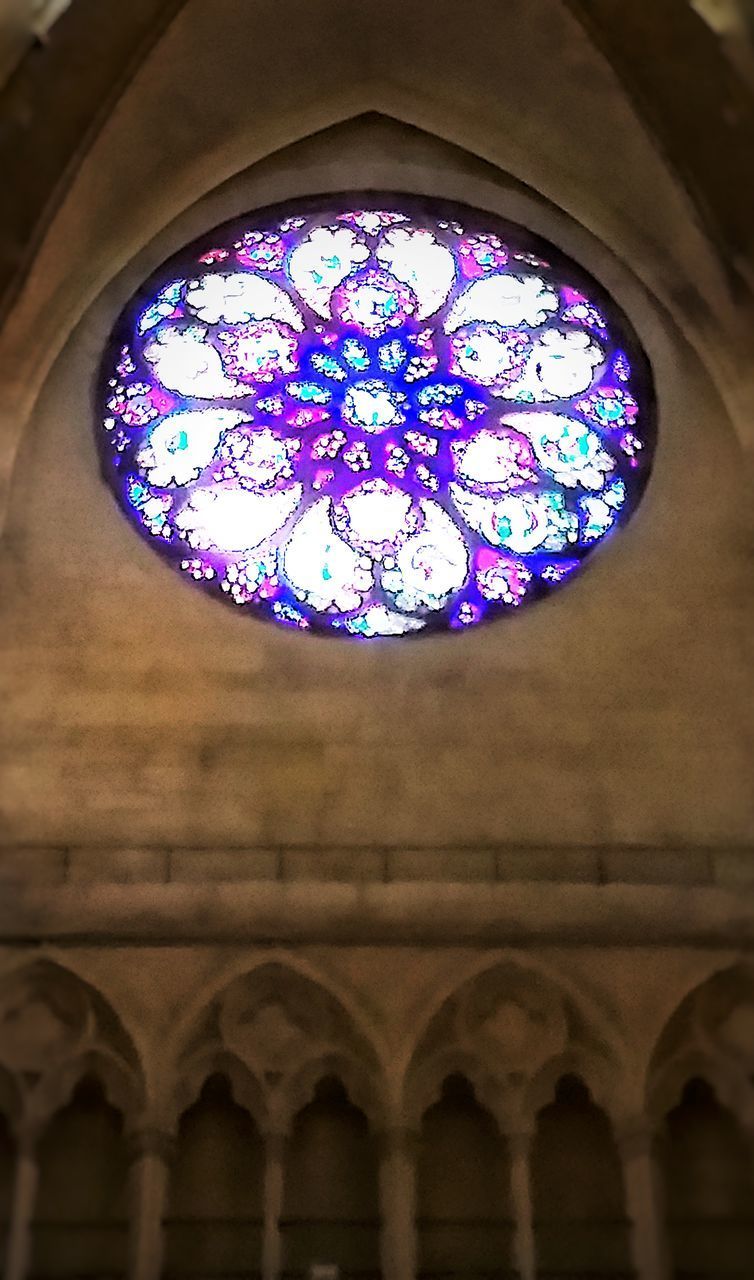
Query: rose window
x,y
375,421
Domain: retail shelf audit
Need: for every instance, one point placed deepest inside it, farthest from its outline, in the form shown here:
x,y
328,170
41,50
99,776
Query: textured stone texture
x,y
703,868
223,864
441,864
36,865
584,770
544,827
120,866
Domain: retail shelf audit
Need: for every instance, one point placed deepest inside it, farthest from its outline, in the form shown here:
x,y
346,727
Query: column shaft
x,y
18,1252
398,1205
274,1181
148,1187
644,1204
524,1250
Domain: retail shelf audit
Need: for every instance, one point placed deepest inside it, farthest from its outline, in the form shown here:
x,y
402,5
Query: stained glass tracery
x,y
375,421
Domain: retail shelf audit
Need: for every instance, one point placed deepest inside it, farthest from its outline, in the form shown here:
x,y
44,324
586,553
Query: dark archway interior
x,y
579,1212
331,1212
709,1182
81,1221
464,1211
214,1222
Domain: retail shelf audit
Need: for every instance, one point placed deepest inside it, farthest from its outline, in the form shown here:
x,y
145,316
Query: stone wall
x,y
542,828
139,713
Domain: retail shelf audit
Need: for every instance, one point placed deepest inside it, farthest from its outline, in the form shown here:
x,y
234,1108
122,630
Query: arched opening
x,y
81,1221
7,1168
331,1209
214,1222
577,1184
709,1182
463,1185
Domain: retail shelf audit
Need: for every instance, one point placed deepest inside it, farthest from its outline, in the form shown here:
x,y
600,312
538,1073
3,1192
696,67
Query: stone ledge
x,y
349,864
117,866
571,865
344,865
657,866
409,912
734,868
33,865
464,865
223,864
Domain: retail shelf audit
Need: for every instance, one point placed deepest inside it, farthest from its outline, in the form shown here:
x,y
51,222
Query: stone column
x,y
26,1179
150,1164
524,1251
398,1204
746,1122
644,1202
274,1176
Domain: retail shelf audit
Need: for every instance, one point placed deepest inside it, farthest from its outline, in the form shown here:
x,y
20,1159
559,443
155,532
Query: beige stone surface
x,y
140,714
520,853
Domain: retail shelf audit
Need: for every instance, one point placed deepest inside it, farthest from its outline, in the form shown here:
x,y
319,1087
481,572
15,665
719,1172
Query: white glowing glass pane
x,y
320,567
429,566
180,446
523,522
375,303
599,514
238,298
377,513
257,459
416,259
183,361
496,458
325,259
561,365
489,354
234,519
163,308
372,406
379,621
504,300
571,452
260,351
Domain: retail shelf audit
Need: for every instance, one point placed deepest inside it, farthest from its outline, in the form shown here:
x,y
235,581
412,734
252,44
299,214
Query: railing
x,y
353,1244
220,1248
589,1249
712,1250
79,1250
469,1247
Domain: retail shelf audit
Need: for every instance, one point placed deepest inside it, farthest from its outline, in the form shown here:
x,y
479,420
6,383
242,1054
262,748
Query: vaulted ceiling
x,y
691,99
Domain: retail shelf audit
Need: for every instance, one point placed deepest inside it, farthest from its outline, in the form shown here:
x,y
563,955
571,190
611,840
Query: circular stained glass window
x,y
375,418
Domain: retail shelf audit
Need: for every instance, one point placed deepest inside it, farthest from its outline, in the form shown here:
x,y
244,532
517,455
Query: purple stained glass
x,y
375,418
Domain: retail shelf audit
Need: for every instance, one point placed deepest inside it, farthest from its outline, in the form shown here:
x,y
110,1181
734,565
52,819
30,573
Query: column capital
x,y
150,1140
745,1120
635,1137
276,1142
27,1137
519,1140
397,1140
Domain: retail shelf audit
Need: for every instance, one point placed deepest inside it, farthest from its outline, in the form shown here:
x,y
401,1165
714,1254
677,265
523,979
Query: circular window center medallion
x,y
375,421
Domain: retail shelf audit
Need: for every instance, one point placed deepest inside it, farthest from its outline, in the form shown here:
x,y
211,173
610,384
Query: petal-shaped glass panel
x,y
375,417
